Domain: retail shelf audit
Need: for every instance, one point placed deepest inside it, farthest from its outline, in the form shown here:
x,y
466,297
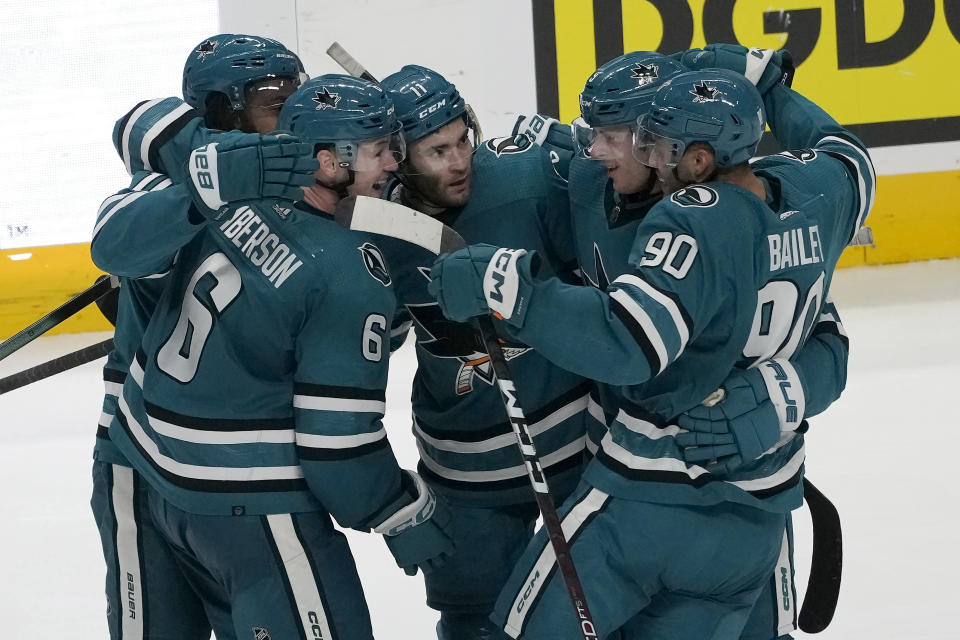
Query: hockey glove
x,y
248,166
419,535
765,68
555,137
747,421
482,278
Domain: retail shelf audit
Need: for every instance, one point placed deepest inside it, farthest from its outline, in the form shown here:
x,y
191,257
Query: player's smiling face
x,y
439,166
375,160
613,146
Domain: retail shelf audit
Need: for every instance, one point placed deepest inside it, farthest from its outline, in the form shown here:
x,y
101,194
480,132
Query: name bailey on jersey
x,y
795,247
261,246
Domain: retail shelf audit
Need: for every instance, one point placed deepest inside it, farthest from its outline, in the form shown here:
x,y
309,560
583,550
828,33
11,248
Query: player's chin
x,y
458,192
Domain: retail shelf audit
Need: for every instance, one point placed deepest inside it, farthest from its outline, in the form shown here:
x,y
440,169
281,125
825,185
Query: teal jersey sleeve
x,y
805,128
346,457
141,135
821,363
140,229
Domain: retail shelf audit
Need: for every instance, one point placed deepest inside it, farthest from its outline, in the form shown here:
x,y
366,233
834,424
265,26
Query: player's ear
x,y
703,162
328,163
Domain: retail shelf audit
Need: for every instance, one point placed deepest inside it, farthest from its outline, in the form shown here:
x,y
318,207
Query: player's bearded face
x,y
613,146
439,166
376,159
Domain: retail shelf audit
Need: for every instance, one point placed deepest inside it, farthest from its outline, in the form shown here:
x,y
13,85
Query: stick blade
x,y
348,62
826,567
382,217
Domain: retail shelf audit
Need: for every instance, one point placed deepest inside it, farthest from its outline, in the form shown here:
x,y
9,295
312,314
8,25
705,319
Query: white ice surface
x,y
882,453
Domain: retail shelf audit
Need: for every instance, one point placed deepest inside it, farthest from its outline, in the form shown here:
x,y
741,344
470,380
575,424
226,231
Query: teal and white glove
x,y
555,137
419,535
481,279
249,166
765,68
745,418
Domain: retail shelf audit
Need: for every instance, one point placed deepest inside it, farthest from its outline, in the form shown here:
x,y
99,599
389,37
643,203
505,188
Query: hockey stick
x,y
394,220
354,68
823,585
55,366
58,315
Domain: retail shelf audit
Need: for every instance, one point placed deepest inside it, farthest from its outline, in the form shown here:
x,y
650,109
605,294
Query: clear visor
x,y
379,154
611,142
269,94
654,150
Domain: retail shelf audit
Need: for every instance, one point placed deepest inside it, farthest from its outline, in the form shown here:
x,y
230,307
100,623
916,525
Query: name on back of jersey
x,y
795,247
249,233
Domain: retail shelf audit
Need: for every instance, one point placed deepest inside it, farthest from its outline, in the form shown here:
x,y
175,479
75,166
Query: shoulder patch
x,y
374,262
512,144
696,196
800,155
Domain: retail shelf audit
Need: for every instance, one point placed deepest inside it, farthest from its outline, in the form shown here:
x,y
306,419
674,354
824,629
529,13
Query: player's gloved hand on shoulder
x,y
765,68
482,278
419,535
739,428
247,166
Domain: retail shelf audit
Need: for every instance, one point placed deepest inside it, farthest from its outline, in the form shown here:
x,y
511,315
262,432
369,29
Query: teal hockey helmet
x,y
715,106
230,64
619,92
342,111
426,101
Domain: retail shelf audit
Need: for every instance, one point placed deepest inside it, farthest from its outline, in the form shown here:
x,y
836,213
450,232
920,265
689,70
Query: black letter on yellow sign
x,y
951,10
677,25
802,27
853,50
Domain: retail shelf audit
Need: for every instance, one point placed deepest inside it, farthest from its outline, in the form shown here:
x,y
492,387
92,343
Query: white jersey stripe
x,y
105,419
199,472
125,140
784,473
340,442
646,428
112,388
317,403
156,129
666,301
537,578
507,473
107,202
646,324
595,410
130,197
634,461
867,194
505,439
128,553
303,584
206,436
150,177
136,372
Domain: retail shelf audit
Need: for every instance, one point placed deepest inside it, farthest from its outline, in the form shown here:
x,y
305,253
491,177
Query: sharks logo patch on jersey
x,y
800,155
695,196
325,99
374,262
602,280
512,144
449,339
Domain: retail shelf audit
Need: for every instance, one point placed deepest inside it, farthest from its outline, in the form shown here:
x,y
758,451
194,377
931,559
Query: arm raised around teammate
x,y
158,135
339,402
629,332
762,406
140,229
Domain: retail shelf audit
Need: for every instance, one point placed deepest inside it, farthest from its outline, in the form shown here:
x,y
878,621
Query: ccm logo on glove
x,y
501,282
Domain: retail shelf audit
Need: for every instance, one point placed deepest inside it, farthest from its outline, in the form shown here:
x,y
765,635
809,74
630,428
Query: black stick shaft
x,y
55,366
538,480
55,317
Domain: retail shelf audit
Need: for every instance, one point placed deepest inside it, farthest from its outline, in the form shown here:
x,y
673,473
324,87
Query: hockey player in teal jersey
x,y
503,191
135,553
705,264
253,407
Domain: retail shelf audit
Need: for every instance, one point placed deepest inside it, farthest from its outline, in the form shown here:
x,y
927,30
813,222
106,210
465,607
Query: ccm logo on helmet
x,y
432,108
